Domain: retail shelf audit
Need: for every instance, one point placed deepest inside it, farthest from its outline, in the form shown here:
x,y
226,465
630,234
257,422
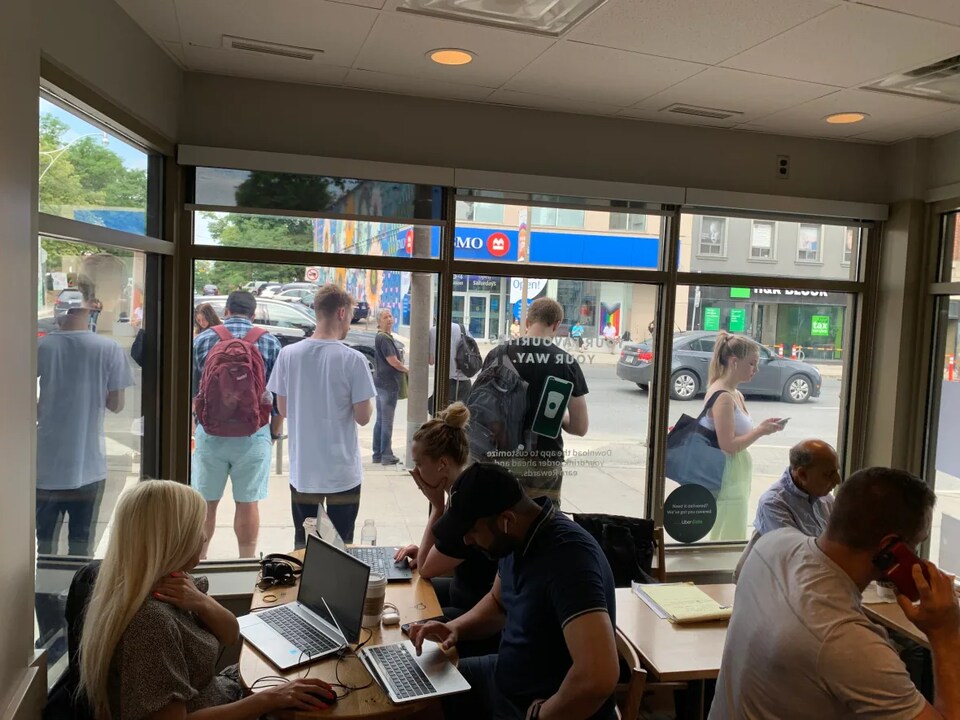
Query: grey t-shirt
x,y
799,645
455,335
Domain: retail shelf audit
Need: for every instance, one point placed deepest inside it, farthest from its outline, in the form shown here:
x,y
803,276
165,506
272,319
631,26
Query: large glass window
x,y
762,240
557,217
808,243
480,212
628,221
711,237
945,534
90,428
89,174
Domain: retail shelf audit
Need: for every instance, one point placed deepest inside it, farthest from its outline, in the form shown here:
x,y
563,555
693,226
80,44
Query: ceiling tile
x,y
399,44
851,45
546,102
157,17
947,11
405,85
595,74
706,31
883,110
930,126
337,29
724,89
257,65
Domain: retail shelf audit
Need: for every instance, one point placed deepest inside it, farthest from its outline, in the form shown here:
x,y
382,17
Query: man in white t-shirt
x,y
324,389
459,384
799,645
81,375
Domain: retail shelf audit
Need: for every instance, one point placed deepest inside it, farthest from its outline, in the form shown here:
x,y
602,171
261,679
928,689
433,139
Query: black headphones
x,y
277,569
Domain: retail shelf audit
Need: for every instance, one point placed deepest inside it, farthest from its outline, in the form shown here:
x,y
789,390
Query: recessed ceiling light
x,y
845,118
451,56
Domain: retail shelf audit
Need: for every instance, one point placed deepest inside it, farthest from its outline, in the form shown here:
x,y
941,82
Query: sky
x,y
133,158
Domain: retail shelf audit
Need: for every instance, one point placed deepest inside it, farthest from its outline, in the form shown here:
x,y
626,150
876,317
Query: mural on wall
x,y
610,314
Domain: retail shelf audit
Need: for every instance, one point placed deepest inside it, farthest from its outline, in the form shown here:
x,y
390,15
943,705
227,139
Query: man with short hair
x,y
801,498
391,375
537,358
324,389
799,644
458,384
553,599
246,459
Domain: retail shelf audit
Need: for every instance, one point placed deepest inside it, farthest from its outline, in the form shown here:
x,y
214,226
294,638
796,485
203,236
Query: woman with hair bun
x,y
441,451
734,362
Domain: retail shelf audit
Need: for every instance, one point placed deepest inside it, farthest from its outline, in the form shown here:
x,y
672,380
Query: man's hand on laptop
x,y
439,632
409,552
938,612
302,694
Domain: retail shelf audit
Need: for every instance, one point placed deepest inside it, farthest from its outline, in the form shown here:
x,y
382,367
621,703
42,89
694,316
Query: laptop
x,y
405,677
325,617
380,560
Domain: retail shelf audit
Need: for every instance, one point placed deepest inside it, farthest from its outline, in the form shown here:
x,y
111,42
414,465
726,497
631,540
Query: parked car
x,y
361,310
790,380
68,299
292,322
297,294
268,290
254,286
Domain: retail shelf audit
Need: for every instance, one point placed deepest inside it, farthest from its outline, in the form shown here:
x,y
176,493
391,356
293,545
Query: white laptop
x,y
326,615
406,677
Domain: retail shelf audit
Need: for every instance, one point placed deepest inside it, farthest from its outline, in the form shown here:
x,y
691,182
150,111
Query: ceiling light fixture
x,y
845,118
451,56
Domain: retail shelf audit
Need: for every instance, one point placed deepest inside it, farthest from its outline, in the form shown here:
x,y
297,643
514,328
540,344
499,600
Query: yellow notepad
x,y
683,602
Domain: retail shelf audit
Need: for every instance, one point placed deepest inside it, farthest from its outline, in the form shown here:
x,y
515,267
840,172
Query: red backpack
x,y
233,400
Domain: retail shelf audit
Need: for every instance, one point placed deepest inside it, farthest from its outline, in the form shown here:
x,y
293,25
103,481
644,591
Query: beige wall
x,y
262,115
20,60
944,161
98,43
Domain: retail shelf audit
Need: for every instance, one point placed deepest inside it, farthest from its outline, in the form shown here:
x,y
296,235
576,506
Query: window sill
x,y
702,565
711,257
808,262
764,261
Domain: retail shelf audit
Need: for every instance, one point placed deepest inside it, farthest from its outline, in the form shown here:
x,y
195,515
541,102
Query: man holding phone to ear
x,y
799,644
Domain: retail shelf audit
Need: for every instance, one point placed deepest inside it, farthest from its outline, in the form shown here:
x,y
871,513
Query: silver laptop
x,y
325,617
406,677
380,560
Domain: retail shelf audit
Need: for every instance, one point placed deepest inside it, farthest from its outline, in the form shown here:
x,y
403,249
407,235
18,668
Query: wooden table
x,y
677,653
891,616
415,600
673,652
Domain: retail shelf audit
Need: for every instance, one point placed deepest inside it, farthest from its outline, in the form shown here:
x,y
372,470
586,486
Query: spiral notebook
x,y
681,603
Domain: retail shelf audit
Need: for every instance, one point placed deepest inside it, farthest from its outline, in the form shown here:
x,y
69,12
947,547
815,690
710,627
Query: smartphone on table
x,y
896,561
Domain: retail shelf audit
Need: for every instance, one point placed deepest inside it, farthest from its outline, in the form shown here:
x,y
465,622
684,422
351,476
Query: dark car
x,y
361,309
46,326
790,380
68,299
292,322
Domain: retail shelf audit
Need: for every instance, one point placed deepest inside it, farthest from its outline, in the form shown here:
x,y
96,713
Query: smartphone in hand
x,y
405,628
782,422
896,561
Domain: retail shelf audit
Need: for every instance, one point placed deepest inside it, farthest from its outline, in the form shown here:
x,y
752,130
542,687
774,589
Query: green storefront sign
x,y
820,325
738,320
711,318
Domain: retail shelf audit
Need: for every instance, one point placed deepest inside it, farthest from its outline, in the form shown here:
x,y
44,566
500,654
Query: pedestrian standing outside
x,y
325,389
459,382
390,379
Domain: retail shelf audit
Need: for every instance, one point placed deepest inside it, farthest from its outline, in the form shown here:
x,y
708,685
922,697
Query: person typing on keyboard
x,y
553,600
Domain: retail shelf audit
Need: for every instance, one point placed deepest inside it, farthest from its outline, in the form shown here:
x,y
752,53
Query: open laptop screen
x,y
340,579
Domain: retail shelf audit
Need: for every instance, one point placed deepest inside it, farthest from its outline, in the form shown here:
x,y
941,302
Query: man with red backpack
x,y
231,365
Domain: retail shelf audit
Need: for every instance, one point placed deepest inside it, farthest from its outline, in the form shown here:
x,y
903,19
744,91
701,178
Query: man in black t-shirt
x,y
553,599
537,358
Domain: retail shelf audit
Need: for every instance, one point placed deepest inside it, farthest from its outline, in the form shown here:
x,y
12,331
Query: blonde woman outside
x,y
152,635
734,362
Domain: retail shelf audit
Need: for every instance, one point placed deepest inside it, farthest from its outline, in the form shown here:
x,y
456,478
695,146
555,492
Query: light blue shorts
x,y
246,460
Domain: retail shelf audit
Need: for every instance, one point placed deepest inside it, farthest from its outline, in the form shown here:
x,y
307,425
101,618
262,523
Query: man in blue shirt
x,y
246,460
553,600
801,498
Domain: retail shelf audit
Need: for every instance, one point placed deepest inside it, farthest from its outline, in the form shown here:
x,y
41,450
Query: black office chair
x,y
630,545
64,701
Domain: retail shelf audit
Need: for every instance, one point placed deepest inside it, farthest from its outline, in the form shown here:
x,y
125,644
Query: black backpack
x,y
498,407
468,357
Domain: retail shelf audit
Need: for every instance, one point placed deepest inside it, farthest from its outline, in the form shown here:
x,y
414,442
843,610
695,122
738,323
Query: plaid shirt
x,y
239,326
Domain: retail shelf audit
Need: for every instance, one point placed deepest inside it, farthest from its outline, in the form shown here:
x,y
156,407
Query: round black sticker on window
x,y
689,513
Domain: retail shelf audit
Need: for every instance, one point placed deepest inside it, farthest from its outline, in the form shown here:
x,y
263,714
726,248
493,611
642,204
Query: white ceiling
x,y
781,64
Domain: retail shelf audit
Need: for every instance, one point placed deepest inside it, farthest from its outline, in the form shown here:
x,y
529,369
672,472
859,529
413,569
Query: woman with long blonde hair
x,y
734,362
152,636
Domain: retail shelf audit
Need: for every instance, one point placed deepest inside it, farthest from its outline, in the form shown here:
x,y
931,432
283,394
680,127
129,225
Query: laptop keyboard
x,y
298,632
402,670
372,556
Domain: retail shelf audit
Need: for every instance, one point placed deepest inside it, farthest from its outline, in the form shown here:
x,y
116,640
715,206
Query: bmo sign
x,y
484,244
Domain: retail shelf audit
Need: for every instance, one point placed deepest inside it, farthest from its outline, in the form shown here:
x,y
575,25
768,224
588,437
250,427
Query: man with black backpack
x,y
231,365
528,391
465,362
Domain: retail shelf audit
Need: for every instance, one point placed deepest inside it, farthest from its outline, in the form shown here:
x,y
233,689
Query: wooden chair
x,y
630,694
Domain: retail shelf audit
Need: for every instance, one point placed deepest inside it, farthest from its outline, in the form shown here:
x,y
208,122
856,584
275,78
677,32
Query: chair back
x,y
629,694
81,588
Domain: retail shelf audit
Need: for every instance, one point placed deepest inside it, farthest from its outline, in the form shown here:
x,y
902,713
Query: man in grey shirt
x,y
459,384
799,644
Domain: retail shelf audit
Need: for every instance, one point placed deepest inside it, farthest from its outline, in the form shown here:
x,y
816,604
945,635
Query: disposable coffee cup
x,y
373,605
